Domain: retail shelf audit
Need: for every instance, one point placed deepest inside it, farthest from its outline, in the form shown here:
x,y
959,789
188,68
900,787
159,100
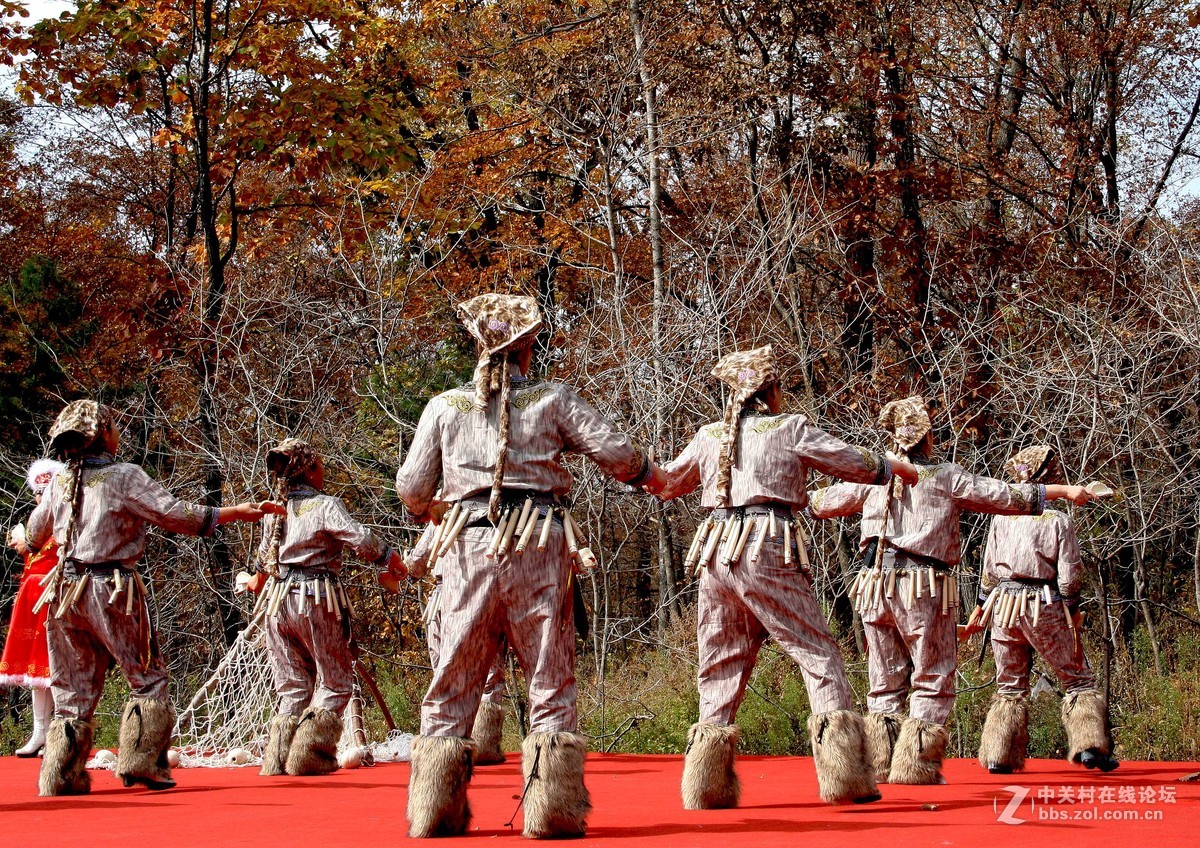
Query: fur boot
x,y
1085,717
487,732
64,764
1005,735
882,729
917,756
844,771
556,801
314,747
437,787
279,742
709,779
145,739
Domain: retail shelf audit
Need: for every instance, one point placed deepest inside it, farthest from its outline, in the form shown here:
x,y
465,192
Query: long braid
x,y
502,455
729,447
271,561
728,457
73,495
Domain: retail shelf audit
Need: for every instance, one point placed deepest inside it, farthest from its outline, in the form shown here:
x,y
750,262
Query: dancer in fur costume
x,y
751,554
308,612
1032,575
26,659
99,510
907,593
504,545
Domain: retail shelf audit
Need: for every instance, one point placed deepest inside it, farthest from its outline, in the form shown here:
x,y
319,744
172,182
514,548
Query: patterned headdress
x,y
74,431
745,372
499,323
1031,464
41,472
291,458
78,425
907,420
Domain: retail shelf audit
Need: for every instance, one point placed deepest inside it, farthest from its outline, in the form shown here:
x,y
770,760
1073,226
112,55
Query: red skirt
x,y
26,660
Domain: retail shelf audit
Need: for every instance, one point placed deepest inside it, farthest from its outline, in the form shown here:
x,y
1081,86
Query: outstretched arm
x,y
588,432
682,474
838,500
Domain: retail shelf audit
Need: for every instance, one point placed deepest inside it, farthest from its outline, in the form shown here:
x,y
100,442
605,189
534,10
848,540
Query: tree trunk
x,y
668,606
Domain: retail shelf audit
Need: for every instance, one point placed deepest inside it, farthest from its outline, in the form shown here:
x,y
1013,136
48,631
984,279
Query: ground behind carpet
x,y
636,799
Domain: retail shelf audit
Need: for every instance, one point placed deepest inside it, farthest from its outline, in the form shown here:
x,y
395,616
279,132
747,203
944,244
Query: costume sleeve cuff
x,y
384,557
885,473
1040,503
210,521
644,475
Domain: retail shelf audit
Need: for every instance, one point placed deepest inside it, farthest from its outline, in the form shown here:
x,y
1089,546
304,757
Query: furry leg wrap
x,y
437,787
145,738
64,764
314,747
844,770
1085,717
1005,734
709,779
917,756
556,801
487,732
882,730
279,742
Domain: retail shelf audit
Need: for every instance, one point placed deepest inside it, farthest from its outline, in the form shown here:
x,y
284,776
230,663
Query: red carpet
x,y
636,802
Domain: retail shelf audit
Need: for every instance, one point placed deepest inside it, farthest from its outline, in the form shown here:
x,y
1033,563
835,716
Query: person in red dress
x,y
26,659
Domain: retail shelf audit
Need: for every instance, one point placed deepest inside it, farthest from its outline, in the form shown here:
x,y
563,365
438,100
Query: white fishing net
x,y
225,722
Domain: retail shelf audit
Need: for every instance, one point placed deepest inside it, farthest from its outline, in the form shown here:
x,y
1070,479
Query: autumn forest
x,y
237,221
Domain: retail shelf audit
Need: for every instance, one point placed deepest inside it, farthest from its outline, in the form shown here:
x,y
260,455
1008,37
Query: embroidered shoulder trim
x,y
97,479
714,431
768,424
528,397
459,402
306,506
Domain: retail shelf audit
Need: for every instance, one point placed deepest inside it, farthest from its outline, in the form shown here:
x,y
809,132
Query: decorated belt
x,y
76,569
1017,582
781,510
509,499
316,572
901,559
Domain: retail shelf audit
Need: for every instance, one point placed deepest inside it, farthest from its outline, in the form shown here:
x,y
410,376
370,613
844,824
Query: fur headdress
x,y
1031,464
291,458
907,420
745,372
499,323
78,425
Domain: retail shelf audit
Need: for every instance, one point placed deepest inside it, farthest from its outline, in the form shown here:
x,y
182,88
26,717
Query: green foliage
x,y
409,379
40,328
